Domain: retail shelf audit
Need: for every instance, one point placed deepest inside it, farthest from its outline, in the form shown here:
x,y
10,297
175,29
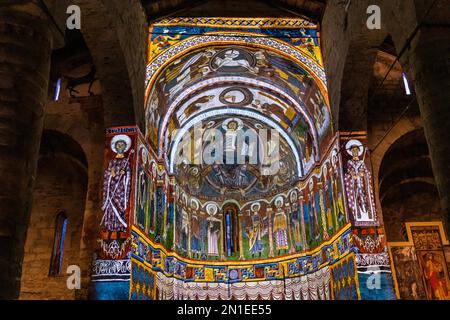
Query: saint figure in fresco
x,y
296,222
331,216
338,199
436,278
184,230
153,116
323,215
255,232
280,228
254,237
312,213
195,236
213,230
142,199
358,181
142,190
117,186
213,240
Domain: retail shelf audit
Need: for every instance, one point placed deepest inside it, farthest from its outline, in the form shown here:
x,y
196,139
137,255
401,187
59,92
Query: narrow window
x,y
58,244
406,84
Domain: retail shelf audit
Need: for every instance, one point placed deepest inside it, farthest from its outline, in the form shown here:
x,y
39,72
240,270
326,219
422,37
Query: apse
x,y
238,185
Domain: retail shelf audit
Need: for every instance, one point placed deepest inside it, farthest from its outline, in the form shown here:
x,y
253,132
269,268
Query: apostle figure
x,y
312,212
323,215
280,227
436,279
195,236
255,232
117,186
213,240
142,198
358,181
331,216
184,230
296,222
338,198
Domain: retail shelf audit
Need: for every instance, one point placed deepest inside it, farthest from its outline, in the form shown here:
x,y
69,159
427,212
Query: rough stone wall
x,y
415,207
60,187
80,119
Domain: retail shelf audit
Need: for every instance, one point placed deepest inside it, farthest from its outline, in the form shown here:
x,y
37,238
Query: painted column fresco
x,y
112,263
372,257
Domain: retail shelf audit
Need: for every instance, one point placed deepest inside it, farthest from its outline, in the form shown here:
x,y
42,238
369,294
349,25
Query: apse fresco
x,y
237,77
238,187
299,219
270,66
240,181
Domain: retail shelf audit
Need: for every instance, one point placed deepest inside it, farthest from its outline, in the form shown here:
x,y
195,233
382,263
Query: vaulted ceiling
x,y
313,9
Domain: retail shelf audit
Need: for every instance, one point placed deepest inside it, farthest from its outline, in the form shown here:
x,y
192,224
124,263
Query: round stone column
x,y
25,50
430,65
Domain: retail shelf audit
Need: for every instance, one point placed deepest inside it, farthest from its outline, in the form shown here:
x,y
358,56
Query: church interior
x,y
225,150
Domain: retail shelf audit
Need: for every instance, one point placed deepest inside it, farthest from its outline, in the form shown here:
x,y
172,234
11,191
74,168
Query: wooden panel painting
x,y
428,243
408,274
423,257
426,238
434,268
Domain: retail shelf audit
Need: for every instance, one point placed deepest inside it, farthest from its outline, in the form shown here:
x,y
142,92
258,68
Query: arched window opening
x,y
231,230
58,244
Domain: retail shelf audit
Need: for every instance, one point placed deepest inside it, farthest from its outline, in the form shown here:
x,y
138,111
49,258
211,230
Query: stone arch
x,y
406,184
117,29
61,185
